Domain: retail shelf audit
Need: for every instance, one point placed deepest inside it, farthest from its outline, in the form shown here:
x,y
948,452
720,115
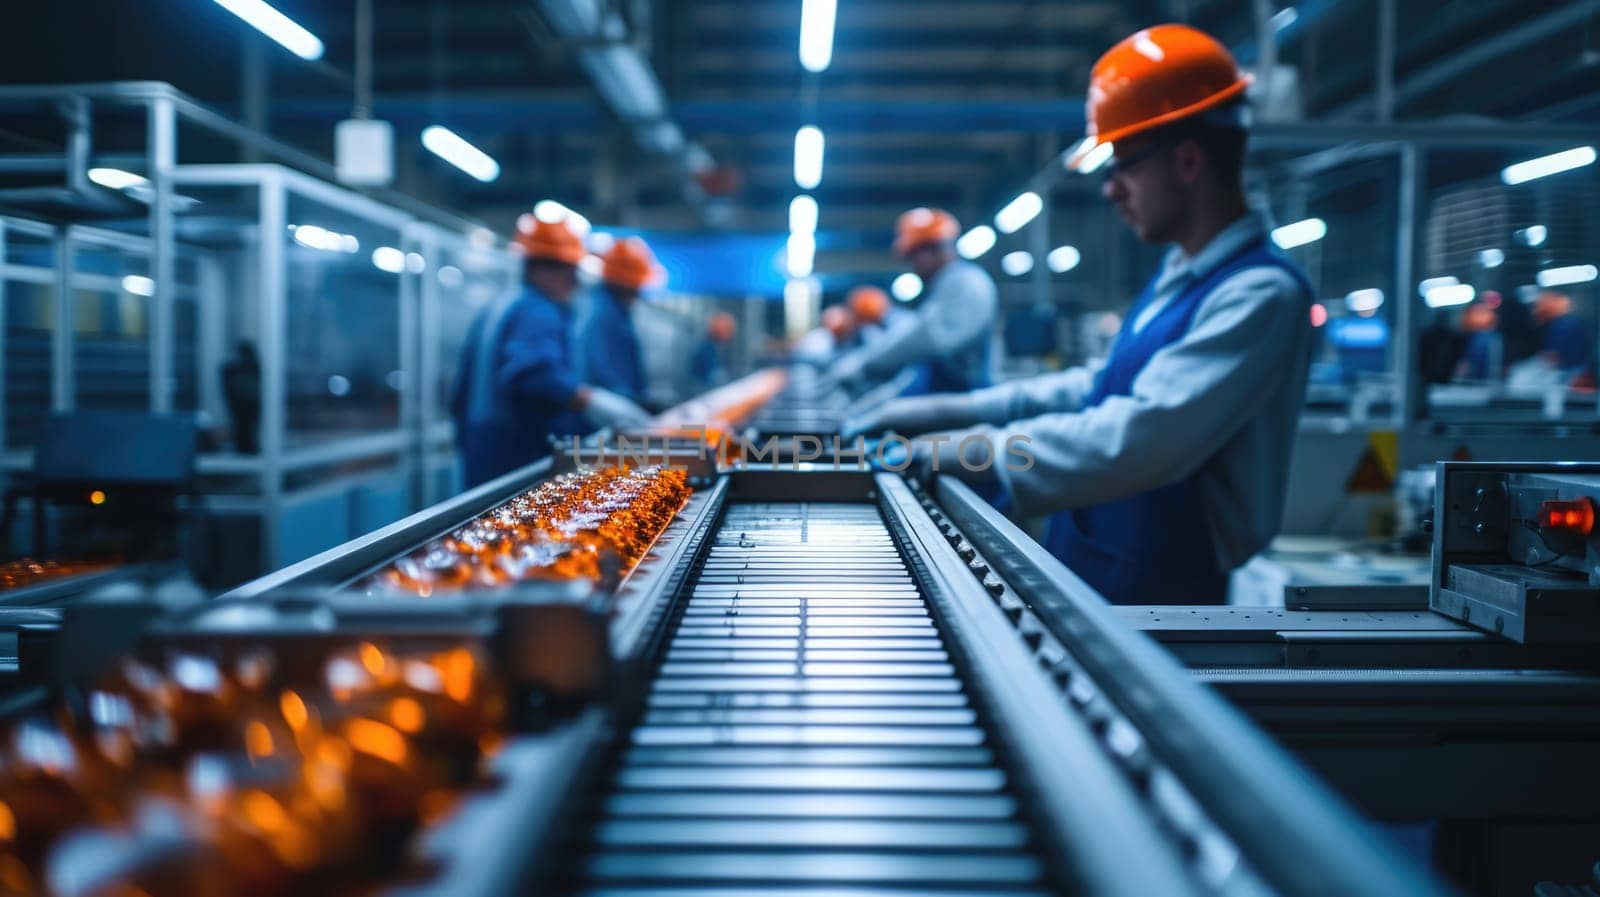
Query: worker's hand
x,y
605,408
843,373
909,417
964,454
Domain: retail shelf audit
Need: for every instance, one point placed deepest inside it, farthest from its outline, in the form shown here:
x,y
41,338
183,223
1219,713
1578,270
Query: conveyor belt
x,y
807,728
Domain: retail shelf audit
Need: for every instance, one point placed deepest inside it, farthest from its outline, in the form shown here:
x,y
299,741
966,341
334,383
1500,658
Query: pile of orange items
x,y
591,524
194,776
27,571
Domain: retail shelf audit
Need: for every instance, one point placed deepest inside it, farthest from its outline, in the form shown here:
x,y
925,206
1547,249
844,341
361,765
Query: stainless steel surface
x,y
807,726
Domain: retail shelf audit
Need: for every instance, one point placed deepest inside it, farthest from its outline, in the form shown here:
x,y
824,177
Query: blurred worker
x,y
870,307
876,320
821,346
1167,463
1563,344
517,386
608,347
953,330
1483,358
241,389
1439,349
708,368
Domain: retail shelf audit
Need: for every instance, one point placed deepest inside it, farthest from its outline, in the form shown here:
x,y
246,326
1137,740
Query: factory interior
x,y
800,448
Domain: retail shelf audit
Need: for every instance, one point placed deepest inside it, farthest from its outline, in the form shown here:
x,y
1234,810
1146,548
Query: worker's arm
x,y
604,345
961,307
534,365
996,405
1189,400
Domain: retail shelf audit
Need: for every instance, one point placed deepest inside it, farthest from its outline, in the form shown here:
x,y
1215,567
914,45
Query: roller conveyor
x,y
806,726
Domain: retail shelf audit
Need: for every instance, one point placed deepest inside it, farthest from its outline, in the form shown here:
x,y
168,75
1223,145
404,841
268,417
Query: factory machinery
x,y
667,677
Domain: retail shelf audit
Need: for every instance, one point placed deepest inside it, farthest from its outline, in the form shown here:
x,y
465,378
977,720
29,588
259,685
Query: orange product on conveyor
x,y
722,410
591,524
28,571
253,777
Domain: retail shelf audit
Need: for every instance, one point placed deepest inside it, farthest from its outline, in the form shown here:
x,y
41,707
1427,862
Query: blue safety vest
x,y
1154,547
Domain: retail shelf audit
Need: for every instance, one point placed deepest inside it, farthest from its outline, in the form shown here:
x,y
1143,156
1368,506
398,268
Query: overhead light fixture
x,y
117,179
551,212
1283,18
1063,259
976,242
451,277
286,31
1555,163
600,242
1449,294
800,254
1434,283
415,263
1560,277
1492,258
802,215
816,34
313,237
906,287
388,258
1309,230
1364,300
1018,212
1533,235
1017,263
139,285
808,146
453,148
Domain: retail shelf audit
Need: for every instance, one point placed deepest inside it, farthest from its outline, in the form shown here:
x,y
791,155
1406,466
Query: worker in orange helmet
x,y
1165,466
953,330
822,345
707,367
869,304
517,387
608,346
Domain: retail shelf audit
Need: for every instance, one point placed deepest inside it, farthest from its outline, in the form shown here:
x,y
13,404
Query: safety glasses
x,y
1126,163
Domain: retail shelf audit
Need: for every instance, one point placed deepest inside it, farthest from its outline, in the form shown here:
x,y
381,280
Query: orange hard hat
x,y
869,304
921,226
1479,317
1155,77
1551,305
630,264
722,326
837,320
551,240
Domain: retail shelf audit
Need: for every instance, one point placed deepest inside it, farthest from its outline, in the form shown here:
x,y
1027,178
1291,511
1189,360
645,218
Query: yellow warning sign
x,y
1376,469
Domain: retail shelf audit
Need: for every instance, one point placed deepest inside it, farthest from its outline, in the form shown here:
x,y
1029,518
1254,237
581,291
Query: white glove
x,y
909,417
605,408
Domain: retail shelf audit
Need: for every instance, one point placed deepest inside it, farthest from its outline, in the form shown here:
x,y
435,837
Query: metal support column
x,y
253,93
412,288
430,363
63,386
1413,175
272,309
163,145
4,317
1039,240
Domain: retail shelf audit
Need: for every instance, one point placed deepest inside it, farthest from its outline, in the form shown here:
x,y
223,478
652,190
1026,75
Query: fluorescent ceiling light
x,y
1283,18
139,285
816,34
117,179
450,276
802,215
600,242
1560,277
1018,212
388,258
1555,163
551,212
906,287
286,31
808,145
451,147
415,263
1063,259
976,242
1364,300
1299,233
1533,235
1433,283
1017,263
1449,294
1492,258
313,237
800,254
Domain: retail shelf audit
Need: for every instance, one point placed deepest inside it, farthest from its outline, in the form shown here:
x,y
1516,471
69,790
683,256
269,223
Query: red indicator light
x,y
1573,515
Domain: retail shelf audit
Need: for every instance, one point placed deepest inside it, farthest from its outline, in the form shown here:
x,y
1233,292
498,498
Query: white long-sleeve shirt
x,y
1222,402
955,323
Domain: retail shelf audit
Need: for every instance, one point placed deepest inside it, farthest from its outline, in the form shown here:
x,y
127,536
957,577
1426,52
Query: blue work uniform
x,y
1154,547
515,385
608,348
705,366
